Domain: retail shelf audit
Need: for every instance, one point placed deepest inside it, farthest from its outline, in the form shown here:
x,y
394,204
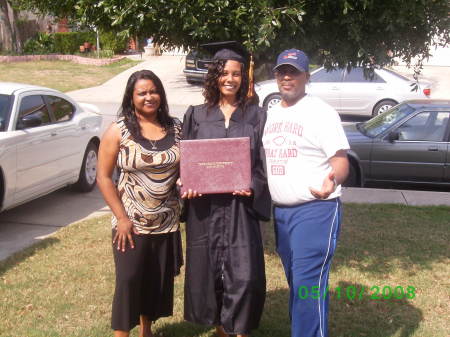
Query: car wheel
x,y
272,100
352,178
383,106
88,173
190,80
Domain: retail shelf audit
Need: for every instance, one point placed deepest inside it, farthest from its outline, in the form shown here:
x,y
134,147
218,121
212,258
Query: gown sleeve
x,y
187,133
262,203
188,124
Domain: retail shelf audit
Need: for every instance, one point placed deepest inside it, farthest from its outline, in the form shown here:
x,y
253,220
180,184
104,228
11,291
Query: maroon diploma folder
x,y
215,165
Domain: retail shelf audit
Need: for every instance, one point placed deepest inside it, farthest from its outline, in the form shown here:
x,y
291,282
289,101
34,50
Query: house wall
x,y
29,24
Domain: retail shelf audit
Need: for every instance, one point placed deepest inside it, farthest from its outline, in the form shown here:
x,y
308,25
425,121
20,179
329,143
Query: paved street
x,y
169,69
439,77
26,224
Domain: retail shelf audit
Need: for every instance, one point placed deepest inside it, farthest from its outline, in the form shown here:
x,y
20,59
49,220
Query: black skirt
x,y
145,279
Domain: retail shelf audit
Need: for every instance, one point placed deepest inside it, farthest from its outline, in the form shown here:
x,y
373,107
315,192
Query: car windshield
x,y
202,54
377,125
5,105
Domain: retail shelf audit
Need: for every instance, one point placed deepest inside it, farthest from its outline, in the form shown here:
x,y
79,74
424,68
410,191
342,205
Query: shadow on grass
x,y
370,317
275,318
380,239
358,317
348,318
18,257
184,329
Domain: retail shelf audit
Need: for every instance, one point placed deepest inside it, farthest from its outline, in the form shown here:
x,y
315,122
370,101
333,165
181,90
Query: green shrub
x,y
42,43
114,42
70,42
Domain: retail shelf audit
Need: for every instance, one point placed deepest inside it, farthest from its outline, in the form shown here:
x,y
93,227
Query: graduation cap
x,y
227,50
232,50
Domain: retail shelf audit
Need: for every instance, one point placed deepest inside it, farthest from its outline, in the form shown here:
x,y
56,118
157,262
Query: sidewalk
x,y
387,196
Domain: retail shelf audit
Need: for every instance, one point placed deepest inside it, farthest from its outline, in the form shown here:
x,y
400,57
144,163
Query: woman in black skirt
x,y
144,144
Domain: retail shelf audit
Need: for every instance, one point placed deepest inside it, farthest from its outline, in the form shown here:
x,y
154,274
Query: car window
x,y
33,107
5,107
357,75
62,110
377,125
334,75
425,126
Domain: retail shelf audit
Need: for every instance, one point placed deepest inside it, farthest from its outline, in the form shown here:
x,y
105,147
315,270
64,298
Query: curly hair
x,y
127,108
211,90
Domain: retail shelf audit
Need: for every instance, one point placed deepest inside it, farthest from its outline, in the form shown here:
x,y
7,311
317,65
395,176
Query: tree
x,y
335,32
11,41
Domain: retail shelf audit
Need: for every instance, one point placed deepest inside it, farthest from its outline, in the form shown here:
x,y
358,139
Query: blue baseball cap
x,y
295,58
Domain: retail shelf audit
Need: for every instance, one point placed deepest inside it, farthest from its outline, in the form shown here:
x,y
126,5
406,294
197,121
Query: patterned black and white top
x,y
148,173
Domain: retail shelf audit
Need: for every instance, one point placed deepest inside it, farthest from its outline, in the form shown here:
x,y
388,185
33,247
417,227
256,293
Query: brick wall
x,y
73,58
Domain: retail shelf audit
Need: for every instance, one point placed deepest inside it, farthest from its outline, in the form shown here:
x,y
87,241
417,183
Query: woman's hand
x,y
123,234
190,194
243,193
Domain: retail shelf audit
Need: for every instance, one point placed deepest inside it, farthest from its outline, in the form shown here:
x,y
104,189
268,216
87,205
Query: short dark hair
x,y
127,108
211,90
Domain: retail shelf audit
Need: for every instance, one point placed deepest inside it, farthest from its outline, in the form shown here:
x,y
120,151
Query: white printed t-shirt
x,y
298,141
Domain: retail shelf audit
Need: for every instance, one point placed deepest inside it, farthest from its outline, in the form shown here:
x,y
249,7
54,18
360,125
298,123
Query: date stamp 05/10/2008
x,y
352,292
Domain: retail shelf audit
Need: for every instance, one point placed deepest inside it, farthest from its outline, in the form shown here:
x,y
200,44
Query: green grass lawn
x,y
63,286
62,75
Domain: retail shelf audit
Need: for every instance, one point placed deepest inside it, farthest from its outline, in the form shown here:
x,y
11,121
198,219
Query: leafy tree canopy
x,y
339,32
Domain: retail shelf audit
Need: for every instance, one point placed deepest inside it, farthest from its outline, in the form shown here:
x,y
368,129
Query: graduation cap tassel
x,y
251,89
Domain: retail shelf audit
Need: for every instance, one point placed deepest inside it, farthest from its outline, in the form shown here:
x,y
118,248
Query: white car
x,y
47,141
351,92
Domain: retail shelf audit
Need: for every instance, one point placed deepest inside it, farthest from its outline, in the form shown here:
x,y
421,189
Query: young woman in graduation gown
x,y
225,283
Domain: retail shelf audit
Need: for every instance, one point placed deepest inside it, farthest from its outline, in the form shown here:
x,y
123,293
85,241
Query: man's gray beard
x,y
291,97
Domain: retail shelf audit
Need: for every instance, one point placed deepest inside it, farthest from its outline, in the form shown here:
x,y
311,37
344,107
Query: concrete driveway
x,y
26,224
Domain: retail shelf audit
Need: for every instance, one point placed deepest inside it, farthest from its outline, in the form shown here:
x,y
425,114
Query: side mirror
x,y
30,121
392,136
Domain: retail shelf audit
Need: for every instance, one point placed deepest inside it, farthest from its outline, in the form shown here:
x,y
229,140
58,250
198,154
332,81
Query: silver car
x,y
353,92
47,141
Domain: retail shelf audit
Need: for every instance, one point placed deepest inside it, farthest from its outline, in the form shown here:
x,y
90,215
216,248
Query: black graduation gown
x,y
225,280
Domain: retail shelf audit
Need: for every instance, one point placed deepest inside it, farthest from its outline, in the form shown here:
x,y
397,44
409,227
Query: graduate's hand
x,y
190,194
243,193
328,187
123,234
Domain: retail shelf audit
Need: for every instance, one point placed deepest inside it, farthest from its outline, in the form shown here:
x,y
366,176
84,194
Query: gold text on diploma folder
x,y
215,164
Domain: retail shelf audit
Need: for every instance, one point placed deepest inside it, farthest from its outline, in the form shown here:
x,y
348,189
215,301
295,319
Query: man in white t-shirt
x,y
305,148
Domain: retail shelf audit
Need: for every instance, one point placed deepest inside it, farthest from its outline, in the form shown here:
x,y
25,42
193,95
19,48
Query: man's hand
x,y
339,171
328,187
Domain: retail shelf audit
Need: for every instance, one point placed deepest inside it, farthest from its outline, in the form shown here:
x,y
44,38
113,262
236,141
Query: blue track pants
x,y
306,237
